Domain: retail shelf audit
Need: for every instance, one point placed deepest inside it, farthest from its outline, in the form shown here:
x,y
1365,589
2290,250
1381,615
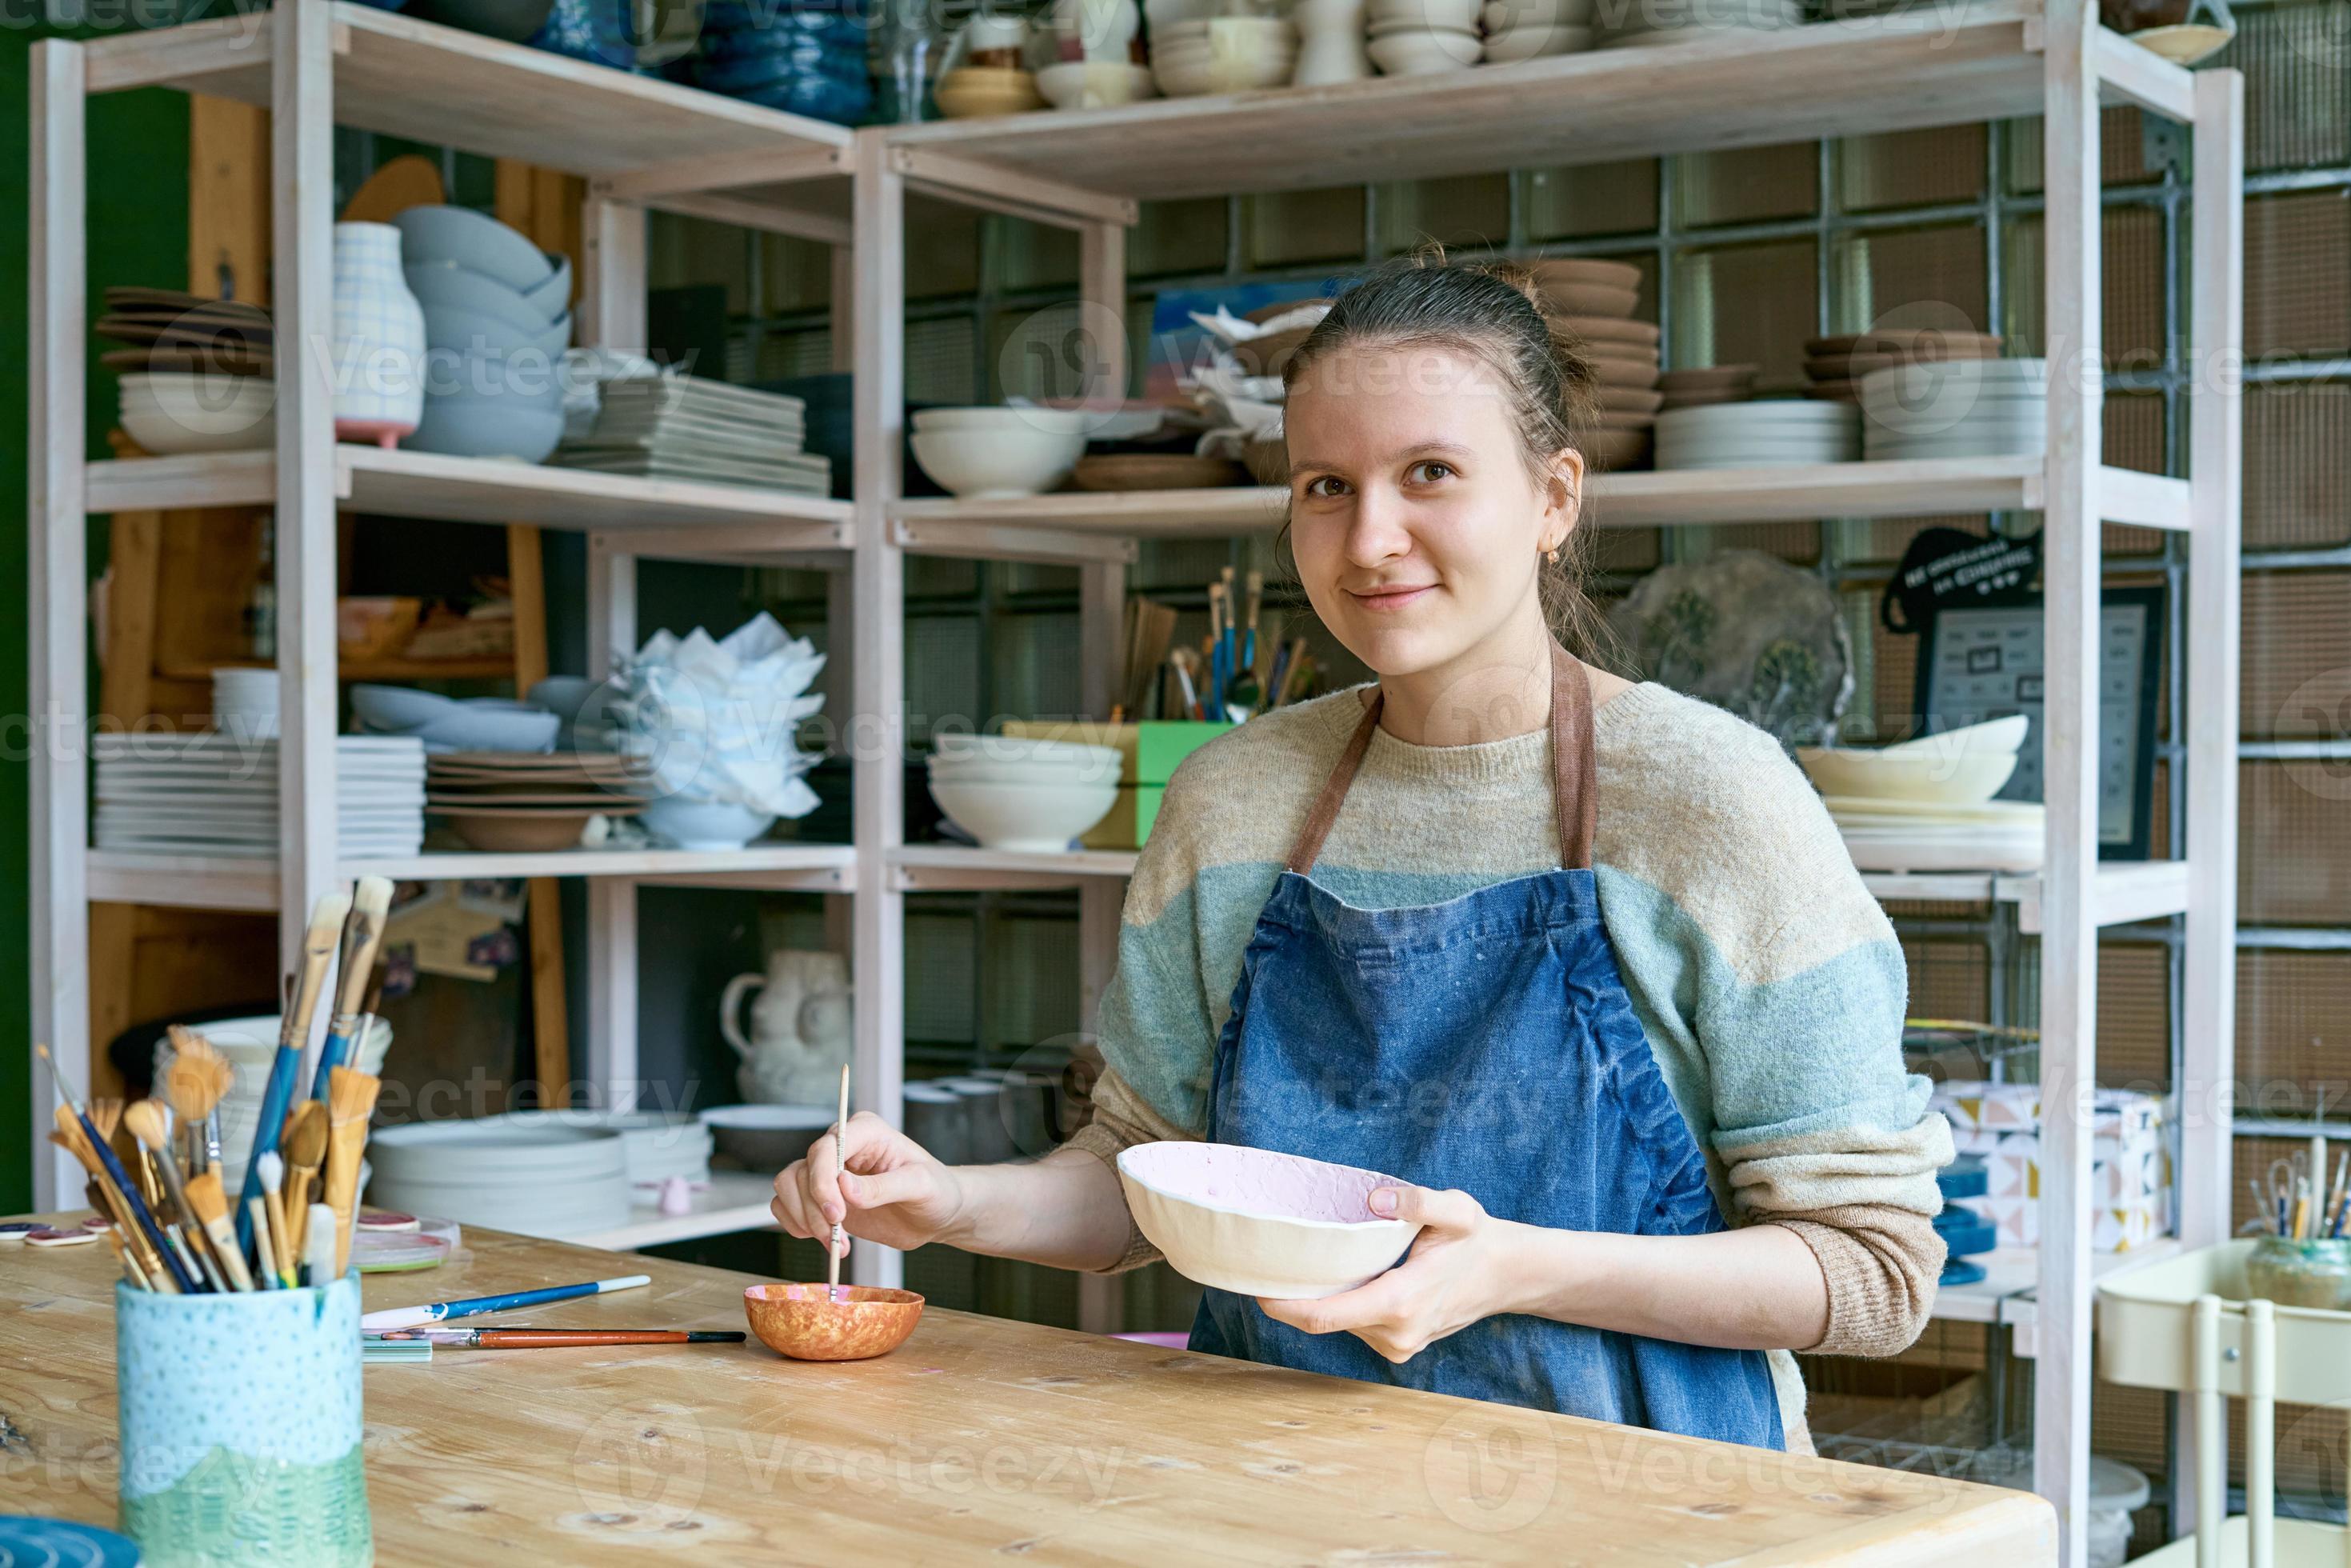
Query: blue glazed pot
x,y
241,1428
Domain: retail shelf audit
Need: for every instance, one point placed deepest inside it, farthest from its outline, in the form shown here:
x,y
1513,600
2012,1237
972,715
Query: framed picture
x,y
1978,664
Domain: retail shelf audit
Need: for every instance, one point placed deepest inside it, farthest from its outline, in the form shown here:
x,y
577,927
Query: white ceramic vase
x,y
1330,43
378,348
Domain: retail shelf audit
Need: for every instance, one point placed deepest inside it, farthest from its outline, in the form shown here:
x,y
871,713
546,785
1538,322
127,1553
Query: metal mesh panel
x,y
1472,211
943,672
2297,630
940,361
2297,287
1884,539
1032,981
793,274
1750,304
942,975
2133,313
941,577
2134,439
1748,184
1798,542
1177,236
1625,549
1883,271
1036,255
1949,979
682,252
2134,1017
2294,844
2122,148
2297,94
782,354
941,249
1302,226
1181,565
1911,168
1592,199
2297,471
2293,1031
1036,662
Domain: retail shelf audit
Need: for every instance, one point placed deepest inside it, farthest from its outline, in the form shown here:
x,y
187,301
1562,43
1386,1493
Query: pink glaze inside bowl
x,y
1259,1182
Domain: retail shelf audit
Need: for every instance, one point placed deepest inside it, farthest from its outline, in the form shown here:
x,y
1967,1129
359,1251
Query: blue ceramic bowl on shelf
x,y
810,59
604,33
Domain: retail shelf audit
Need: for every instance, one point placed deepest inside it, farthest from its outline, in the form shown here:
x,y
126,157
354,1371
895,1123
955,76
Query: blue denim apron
x,y
1487,1044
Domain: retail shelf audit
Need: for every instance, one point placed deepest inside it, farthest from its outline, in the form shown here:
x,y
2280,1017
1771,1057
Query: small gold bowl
x,y
802,1323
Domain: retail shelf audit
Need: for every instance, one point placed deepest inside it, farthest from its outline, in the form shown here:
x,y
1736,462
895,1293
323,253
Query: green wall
x,y
138,234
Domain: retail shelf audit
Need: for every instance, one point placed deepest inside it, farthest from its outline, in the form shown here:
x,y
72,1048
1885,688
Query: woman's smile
x,y
1390,597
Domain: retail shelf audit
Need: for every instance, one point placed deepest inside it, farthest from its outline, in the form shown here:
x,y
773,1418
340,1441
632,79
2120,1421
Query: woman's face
x,y
1416,526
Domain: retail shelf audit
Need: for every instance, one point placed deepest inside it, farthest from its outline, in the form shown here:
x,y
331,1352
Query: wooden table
x,y
978,1439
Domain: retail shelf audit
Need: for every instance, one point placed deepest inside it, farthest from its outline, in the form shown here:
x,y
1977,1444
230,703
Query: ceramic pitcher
x,y
799,1035
378,341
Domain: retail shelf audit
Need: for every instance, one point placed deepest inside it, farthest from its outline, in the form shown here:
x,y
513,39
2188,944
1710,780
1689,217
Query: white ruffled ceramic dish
x,y
1260,1223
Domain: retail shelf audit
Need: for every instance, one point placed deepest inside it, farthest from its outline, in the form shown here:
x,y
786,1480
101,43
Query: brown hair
x,y
1493,312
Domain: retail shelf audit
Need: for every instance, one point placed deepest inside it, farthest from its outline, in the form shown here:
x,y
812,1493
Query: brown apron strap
x,y
1309,848
1575,792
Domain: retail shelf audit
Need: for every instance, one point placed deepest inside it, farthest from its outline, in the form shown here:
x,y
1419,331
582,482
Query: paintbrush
x,y
387,1320
305,1150
318,1247
116,1179
264,1273
145,1120
194,1080
127,1243
350,1100
211,1205
97,1192
561,1339
840,1165
293,1037
270,1237
363,932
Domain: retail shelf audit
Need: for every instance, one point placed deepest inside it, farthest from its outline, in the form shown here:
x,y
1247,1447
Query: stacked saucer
x,y
527,802
1672,21
1757,435
689,427
1835,365
1959,408
1594,300
1706,385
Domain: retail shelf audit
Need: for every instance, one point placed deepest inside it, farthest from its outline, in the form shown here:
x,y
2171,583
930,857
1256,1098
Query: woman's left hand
x,y
1458,1270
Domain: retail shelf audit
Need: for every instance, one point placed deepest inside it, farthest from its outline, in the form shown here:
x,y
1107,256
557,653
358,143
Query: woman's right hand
x,y
892,1191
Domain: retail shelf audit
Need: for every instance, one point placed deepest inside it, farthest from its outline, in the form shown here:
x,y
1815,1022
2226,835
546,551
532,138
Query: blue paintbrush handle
x,y
275,1100
337,1052
145,1221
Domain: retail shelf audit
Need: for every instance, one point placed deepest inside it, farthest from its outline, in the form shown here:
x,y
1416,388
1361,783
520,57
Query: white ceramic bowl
x,y
1957,776
1039,817
526,1174
1095,84
1050,421
999,461
1258,1223
1423,53
174,411
970,756
1993,735
689,824
767,1138
446,283
512,428
1508,16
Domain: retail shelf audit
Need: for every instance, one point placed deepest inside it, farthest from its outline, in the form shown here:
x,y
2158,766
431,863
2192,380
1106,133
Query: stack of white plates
x,y
1666,21
1023,795
659,1144
245,702
1202,55
1423,38
1994,835
1958,408
687,427
216,794
527,1173
1757,435
250,1044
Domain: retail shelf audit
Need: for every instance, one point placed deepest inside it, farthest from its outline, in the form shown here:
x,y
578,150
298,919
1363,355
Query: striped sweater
x,y
1768,981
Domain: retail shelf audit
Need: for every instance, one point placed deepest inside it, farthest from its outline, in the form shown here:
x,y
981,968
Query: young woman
x,y
1583,962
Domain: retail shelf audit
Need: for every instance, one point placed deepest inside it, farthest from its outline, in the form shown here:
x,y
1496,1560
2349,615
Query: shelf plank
x,y
484,490
401,77
938,868
736,1200
227,882
1781,493
1754,89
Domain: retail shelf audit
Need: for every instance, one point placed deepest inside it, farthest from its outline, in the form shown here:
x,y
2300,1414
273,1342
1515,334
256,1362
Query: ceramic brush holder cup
x,y
240,1427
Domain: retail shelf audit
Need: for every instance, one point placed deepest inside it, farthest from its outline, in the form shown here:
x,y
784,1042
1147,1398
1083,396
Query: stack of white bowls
x,y
1668,21
250,1044
171,412
1423,38
1529,29
497,318
1958,408
532,1174
1206,54
1762,435
1030,796
995,453
245,702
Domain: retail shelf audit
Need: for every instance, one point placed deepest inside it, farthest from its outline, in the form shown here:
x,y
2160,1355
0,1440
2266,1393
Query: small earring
x,y
1551,556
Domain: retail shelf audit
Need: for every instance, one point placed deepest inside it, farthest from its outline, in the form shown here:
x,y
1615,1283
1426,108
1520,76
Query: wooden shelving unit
x,y
645,144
